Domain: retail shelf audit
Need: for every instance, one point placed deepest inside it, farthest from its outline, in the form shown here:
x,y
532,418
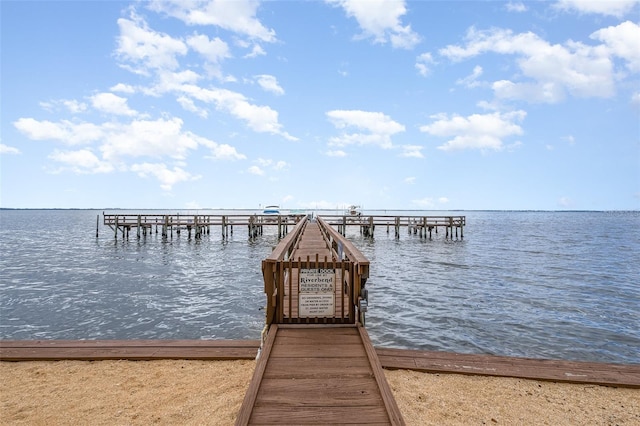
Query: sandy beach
x,y
211,392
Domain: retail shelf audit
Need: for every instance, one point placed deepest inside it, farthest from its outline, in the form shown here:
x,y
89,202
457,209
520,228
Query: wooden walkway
x,y
618,375
314,247
318,375
135,350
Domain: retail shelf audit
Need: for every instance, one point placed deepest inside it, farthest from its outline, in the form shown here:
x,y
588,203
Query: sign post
x,y
316,295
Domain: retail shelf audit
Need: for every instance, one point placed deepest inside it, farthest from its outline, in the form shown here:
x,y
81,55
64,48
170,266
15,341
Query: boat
x,y
354,211
271,210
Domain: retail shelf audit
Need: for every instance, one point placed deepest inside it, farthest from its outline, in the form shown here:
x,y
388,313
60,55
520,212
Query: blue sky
x,y
386,104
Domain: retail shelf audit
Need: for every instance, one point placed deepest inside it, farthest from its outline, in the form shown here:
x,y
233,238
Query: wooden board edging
x,y
252,392
395,416
618,375
580,372
133,350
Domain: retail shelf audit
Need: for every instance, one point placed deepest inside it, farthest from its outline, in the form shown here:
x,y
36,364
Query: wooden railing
x,y
287,279
415,224
199,223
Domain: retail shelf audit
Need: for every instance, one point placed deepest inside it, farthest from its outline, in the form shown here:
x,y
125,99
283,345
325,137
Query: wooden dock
x,y
201,224
320,375
317,364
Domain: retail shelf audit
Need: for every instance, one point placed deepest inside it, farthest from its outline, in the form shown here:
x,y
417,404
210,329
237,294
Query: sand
x,y
211,392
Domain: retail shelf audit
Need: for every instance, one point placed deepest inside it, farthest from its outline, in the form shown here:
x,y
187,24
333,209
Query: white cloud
x,y
471,80
166,176
269,83
381,21
281,165
336,153
118,141
123,88
169,81
138,138
225,152
218,151
617,8
635,98
71,105
477,131
111,104
622,41
423,63
238,16
255,170
189,105
274,165
553,70
410,180
287,198
430,202
518,7
377,126
64,131
412,151
565,202
5,149
148,138
256,51
82,161
145,48
213,50
259,118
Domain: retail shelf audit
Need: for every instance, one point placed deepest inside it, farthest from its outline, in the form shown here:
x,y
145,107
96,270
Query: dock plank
x,y
307,368
265,415
312,378
95,350
322,391
620,375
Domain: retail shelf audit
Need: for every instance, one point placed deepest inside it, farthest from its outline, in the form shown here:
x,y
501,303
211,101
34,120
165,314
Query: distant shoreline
x,y
313,209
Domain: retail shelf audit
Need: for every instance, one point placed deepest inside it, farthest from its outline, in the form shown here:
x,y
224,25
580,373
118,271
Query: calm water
x,y
535,284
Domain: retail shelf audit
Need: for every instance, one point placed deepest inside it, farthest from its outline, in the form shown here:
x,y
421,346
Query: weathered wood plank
x,y
320,340
128,343
539,369
266,415
317,367
43,350
318,392
387,396
246,409
294,330
131,353
324,351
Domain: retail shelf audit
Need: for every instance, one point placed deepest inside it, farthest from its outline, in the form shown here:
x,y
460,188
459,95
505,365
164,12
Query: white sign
x,y
317,293
317,280
316,305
